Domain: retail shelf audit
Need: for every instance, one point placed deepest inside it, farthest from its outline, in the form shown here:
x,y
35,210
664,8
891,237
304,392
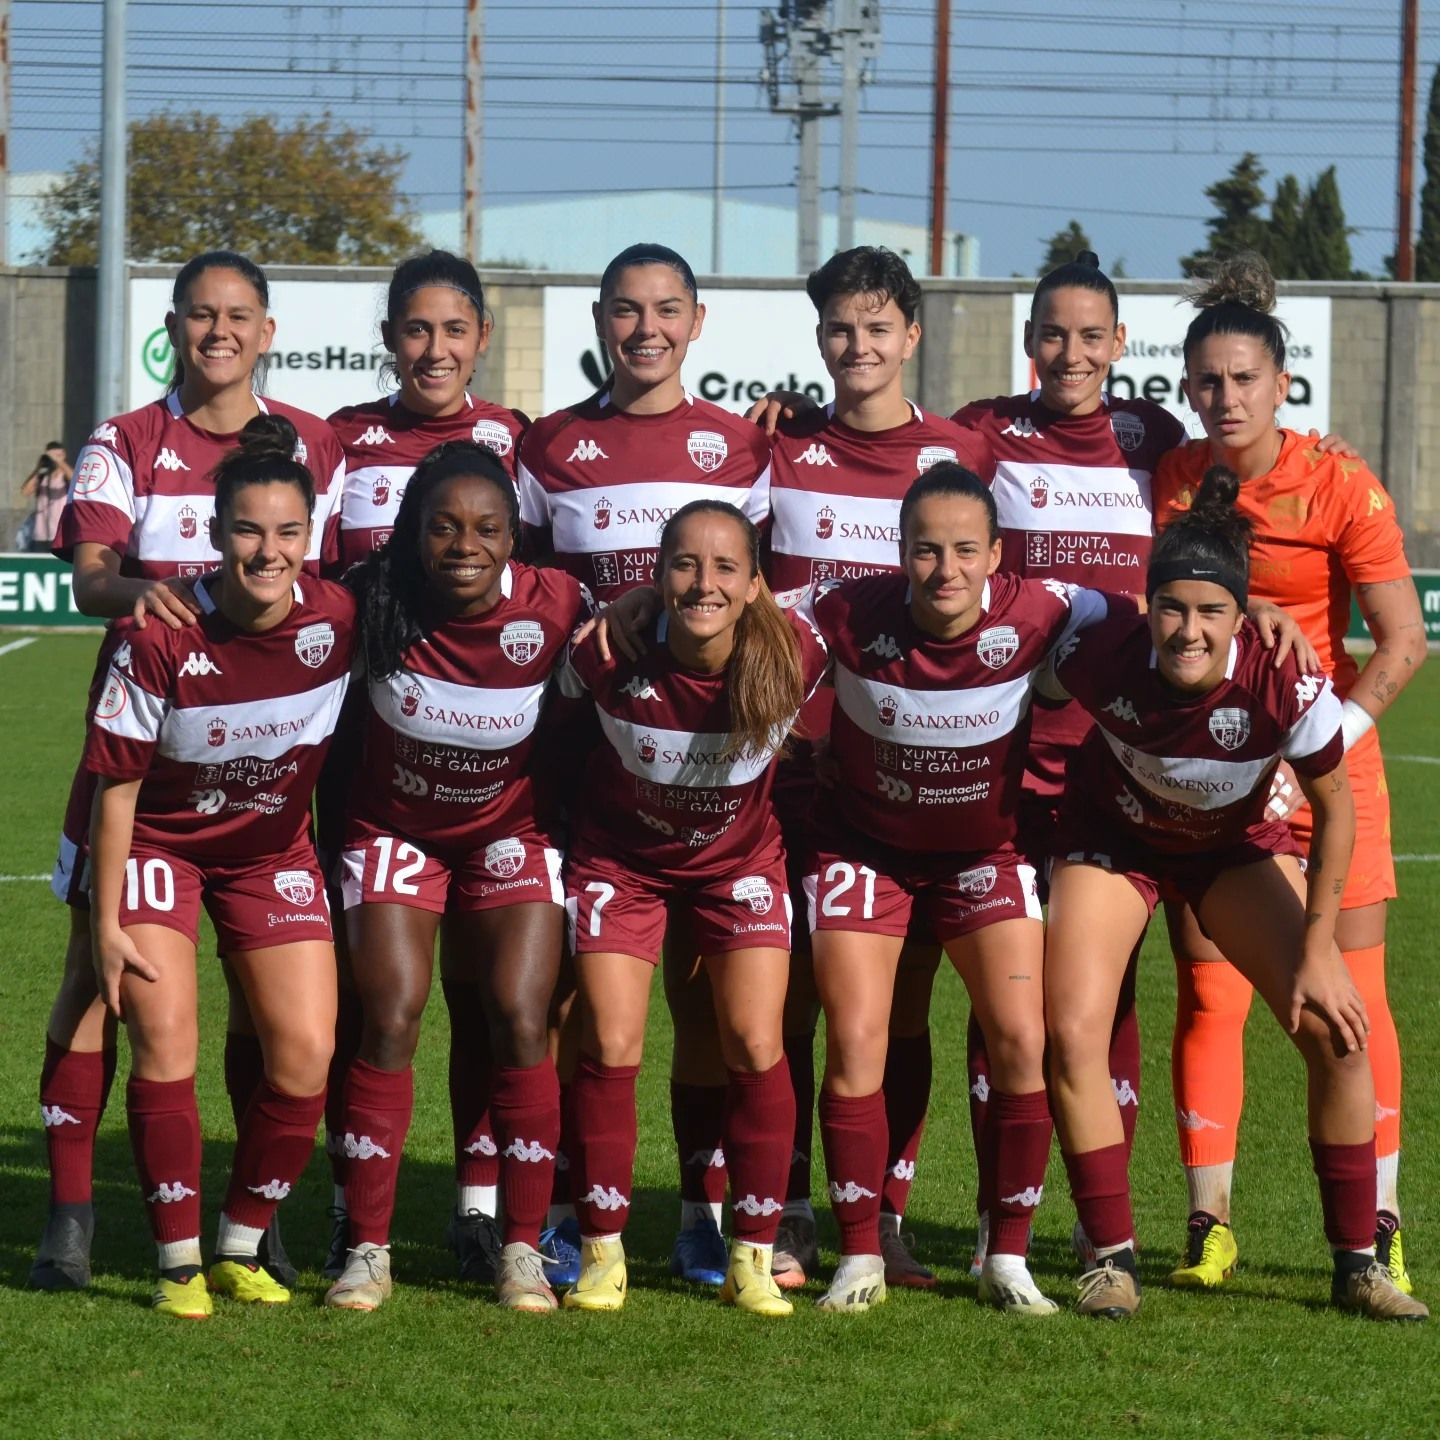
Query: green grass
x,y
1264,1357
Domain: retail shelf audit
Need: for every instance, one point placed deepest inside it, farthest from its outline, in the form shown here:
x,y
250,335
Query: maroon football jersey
x,y
450,755
929,736
142,488
228,729
1190,773
597,483
1074,502
384,442
667,789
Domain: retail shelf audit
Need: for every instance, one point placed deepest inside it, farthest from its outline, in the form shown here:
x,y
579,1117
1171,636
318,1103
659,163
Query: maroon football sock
x,y
276,1140
1347,1192
1100,1187
800,1061
908,1068
472,1079
526,1109
759,1126
378,1107
977,1067
165,1136
603,1158
852,1130
74,1086
1018,1147
697,1115
349,1021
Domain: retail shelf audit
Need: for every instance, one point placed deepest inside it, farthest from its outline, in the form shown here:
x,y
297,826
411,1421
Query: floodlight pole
x,y
110,289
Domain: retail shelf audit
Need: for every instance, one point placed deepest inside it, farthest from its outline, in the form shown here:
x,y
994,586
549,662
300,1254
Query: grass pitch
x,y
1263,1357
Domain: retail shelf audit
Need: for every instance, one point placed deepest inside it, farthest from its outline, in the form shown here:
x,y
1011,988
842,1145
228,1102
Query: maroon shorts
x,y
614,909
878,890
379,868
270,900
1159,876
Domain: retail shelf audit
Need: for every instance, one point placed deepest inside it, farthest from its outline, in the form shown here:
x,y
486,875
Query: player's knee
x,y
391,1034
298,1062
616,1040
1016,1047
520,1037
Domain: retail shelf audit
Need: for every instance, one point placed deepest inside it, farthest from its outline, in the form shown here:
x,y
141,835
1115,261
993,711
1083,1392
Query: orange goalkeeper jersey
x,y
1323,524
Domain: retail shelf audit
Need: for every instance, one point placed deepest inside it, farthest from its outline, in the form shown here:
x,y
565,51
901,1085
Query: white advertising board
x,y
753,341
1155,328
327,351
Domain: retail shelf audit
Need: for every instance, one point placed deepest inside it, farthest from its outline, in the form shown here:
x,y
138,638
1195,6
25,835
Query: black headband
x,y
1230,576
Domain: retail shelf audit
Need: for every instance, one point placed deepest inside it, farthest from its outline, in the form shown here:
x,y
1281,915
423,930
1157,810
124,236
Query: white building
x,y
580,233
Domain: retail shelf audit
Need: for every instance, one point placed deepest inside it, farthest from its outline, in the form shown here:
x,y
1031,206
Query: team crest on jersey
x,y
977,883
493,436
824,523
216,732
707,449
1039,492
504,858
314,643
93,474
934,455
889,707
647,748
1230,728
998,645
410,700
522,640
1129,429
297,886
755,891
602,513
189,522
114,700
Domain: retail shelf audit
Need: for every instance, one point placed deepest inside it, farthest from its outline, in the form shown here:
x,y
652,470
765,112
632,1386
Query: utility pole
x,y
940,137
4,132
717,213
110,296
1404,217
799,37
474,124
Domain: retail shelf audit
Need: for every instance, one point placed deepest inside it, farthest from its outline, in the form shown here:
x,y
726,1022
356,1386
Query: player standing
x,y
206,743
676,816
597,481
450,813
1192,718
437,329
1324,528
933,671
137,530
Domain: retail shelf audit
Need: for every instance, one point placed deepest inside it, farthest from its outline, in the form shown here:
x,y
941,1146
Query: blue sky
x,y
1107,111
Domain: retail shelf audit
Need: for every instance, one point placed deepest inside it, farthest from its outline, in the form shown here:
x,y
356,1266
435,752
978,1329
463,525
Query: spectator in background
x,y
48,484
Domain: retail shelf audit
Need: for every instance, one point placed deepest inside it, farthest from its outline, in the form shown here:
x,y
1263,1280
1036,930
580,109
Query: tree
x,y
1285,211
1063,246
312,193
1427,246
1237,225
1322,240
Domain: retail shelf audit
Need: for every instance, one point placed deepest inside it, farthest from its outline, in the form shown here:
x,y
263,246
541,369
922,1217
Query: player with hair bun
x,y
1192,718
1323,529
597,480
450,813
136,528
206,743
437,330
933,672
676,816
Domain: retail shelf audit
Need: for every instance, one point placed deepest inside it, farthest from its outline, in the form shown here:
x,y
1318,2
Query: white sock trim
x,y
484,1198
172,1254
234,1239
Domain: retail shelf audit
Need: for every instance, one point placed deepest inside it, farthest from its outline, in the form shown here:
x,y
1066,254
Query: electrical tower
x,y
799,37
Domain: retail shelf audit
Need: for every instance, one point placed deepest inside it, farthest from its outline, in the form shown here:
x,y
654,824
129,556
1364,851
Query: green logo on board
x,y
159,356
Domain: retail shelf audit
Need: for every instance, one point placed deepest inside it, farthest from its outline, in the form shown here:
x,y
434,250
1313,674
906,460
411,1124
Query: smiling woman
x,y
460,640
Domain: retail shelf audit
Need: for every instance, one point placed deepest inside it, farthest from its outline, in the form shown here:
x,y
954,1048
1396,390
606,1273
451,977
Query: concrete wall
x,y
1385,381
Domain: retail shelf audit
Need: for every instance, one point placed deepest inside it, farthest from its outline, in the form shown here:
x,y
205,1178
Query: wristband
x,y
1355,720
